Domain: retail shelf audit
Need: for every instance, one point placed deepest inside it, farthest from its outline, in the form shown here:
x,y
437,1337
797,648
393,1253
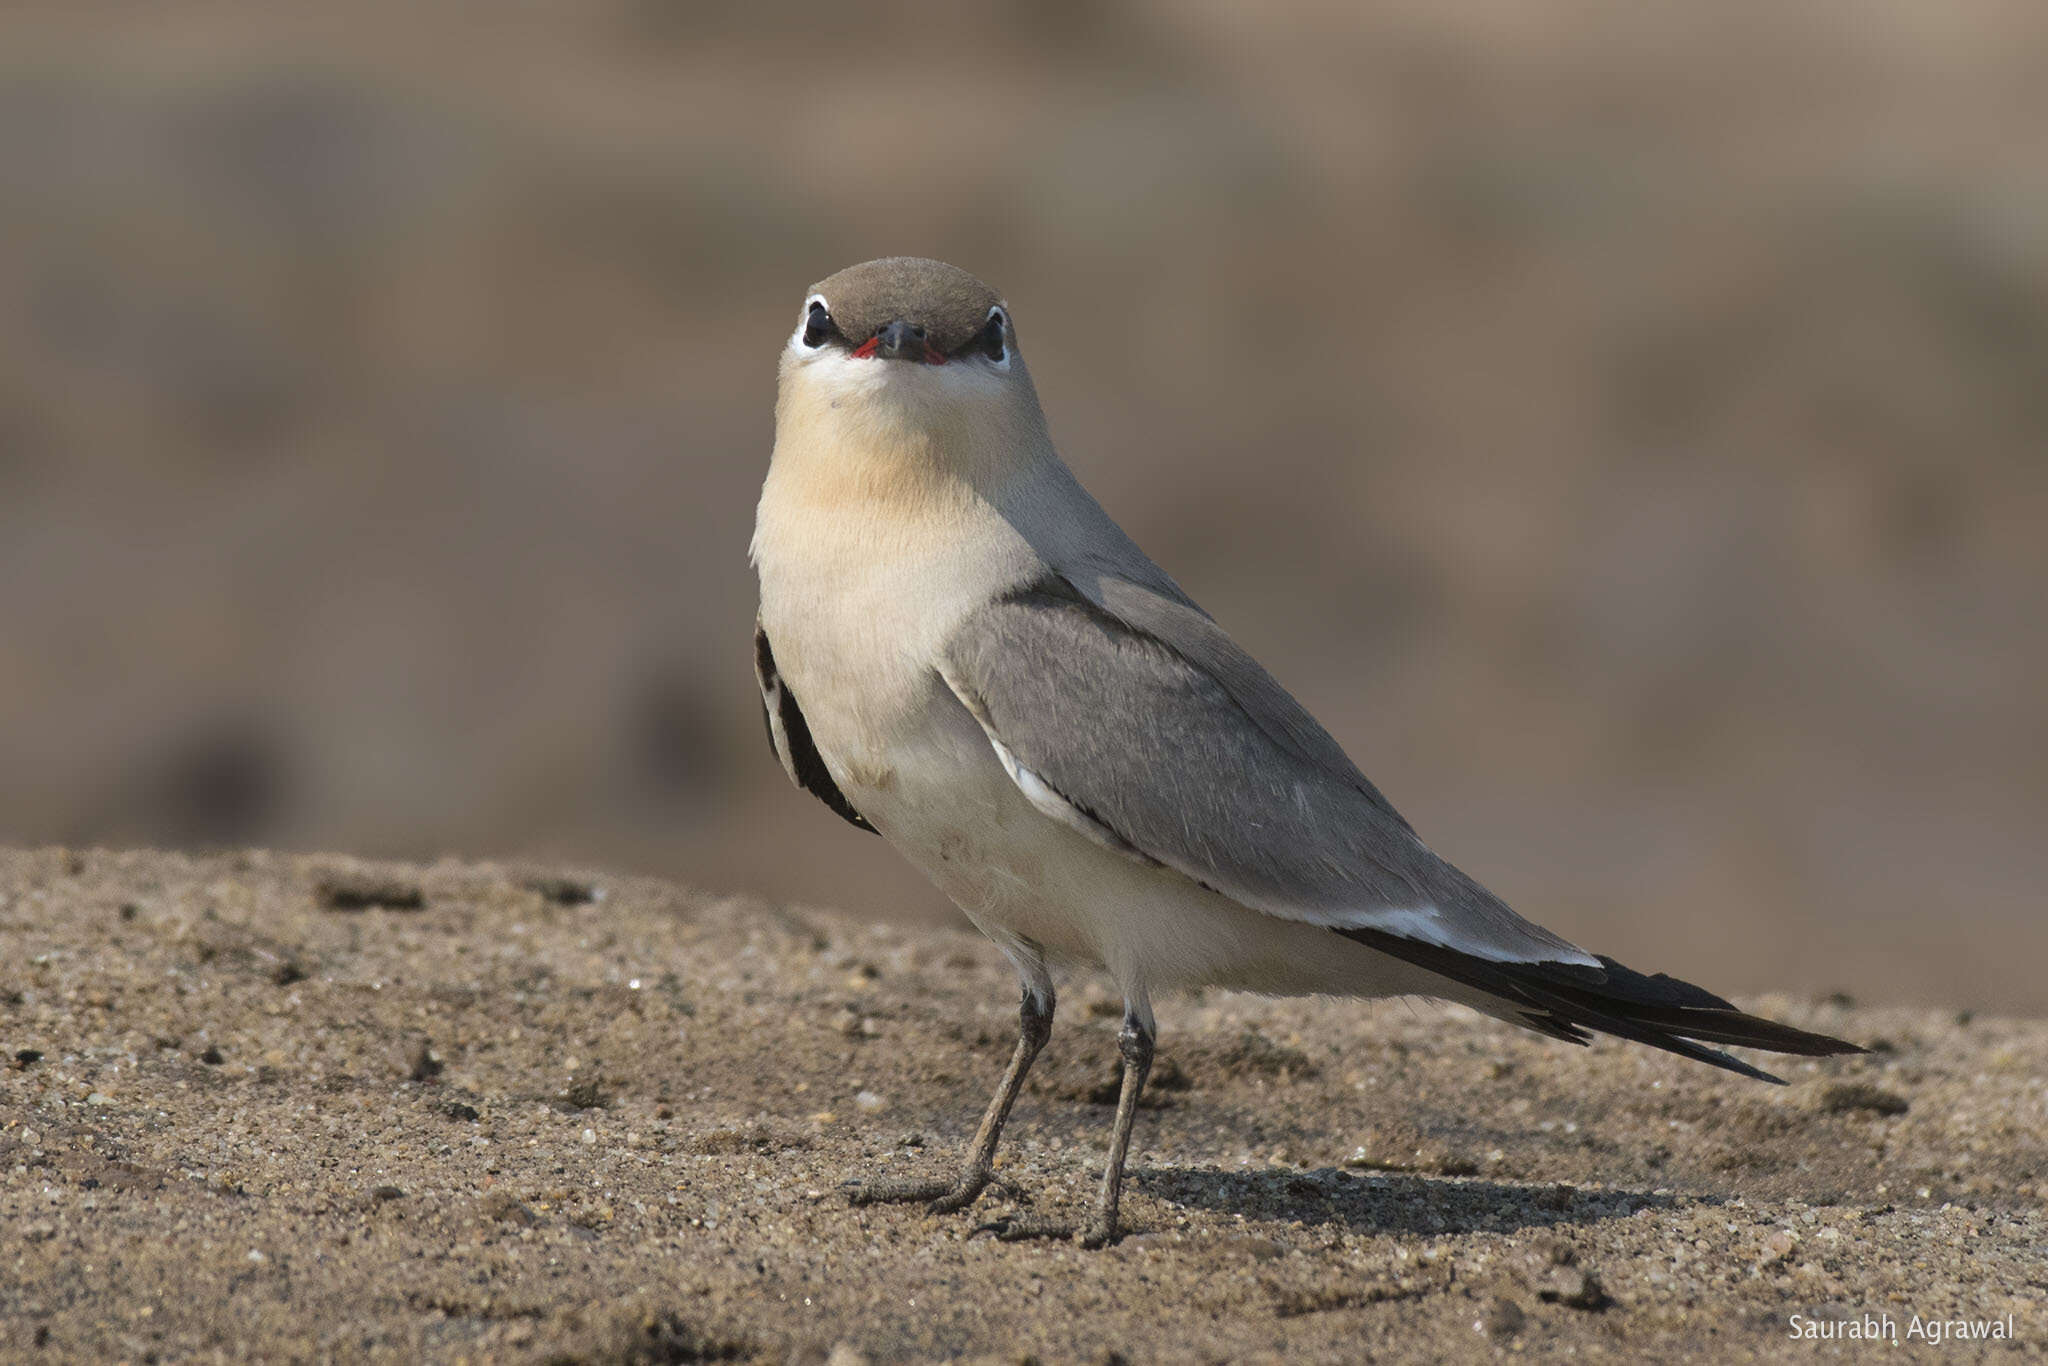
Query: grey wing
x,y
1169,745
789,735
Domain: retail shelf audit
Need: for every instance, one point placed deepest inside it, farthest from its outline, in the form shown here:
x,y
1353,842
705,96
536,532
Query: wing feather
x,y
1174,745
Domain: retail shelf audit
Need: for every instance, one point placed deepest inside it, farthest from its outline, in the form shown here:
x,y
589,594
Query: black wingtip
x,y
1728,1062
1564,1000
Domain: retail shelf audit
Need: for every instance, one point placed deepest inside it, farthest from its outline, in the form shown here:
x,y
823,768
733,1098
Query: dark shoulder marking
x,y
789,735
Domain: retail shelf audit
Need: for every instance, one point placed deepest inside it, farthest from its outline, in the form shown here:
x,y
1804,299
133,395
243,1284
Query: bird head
x,y
912,360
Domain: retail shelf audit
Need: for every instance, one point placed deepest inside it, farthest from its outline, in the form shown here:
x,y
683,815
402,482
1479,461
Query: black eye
x,y
989,341
818,324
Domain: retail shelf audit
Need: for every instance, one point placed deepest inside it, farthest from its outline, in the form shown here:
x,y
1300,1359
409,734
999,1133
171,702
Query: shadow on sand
x,y
1389,1202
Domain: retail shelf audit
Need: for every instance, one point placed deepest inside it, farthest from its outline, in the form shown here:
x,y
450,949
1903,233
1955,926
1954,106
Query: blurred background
x,y
1625,426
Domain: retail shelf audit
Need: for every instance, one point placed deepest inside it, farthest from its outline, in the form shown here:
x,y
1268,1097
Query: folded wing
x,y
1128,714
1170,745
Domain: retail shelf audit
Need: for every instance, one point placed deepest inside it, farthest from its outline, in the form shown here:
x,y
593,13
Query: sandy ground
x,y
290,1108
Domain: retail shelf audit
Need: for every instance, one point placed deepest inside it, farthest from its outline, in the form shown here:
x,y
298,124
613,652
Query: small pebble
x,y
1573,1286
1503,1319
1253,1246
354,889
1850,1097
564,891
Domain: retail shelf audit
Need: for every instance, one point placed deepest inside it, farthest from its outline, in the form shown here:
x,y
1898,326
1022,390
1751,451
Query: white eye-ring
x,y
817,327
993,339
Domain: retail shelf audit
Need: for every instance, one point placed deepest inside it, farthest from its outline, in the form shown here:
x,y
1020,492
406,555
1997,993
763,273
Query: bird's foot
x,y
1100,1233
1097,1233
936,1195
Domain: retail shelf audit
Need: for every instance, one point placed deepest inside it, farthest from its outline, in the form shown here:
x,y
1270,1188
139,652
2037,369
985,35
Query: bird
x,y
959,650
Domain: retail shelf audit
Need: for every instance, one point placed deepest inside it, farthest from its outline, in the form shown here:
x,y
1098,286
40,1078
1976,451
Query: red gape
x,y
867,349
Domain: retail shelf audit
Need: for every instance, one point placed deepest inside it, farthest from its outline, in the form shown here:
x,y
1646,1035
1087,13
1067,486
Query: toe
x,y
1099,1235
893,1192
1026,1230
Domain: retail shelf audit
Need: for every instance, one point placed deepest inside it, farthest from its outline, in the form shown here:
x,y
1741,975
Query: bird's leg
x,y
1134,1043
1034,1027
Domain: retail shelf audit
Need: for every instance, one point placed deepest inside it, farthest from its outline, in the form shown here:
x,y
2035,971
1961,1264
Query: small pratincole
x,y
959,650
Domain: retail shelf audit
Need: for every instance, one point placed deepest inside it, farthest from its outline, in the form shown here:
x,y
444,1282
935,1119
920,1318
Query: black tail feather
x,y
1564,1000
1556,1028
